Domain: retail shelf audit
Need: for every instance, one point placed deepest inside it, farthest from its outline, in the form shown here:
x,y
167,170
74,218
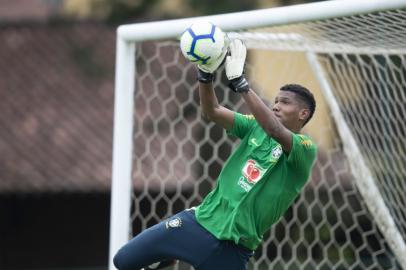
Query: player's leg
x,y
178,237
228,256
160,265
141,251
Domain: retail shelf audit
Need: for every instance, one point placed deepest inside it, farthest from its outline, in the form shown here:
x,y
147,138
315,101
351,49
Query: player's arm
x,y
267,120
211,109
264,116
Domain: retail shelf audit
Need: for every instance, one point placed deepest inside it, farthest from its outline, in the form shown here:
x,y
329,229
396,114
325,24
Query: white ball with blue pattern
x,y
202,42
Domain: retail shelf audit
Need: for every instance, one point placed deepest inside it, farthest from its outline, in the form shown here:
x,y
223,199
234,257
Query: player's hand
x,y
214,64
235,67
205,72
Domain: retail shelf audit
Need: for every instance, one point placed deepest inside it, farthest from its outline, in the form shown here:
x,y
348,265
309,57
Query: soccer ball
x,y
202,43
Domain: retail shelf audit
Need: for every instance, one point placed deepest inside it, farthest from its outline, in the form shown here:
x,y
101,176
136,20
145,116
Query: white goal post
x,y
125,88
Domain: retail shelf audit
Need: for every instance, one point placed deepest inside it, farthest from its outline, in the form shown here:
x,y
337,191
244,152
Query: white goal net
x,y
356,67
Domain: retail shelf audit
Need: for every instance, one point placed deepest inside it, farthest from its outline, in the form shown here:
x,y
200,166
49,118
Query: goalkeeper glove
x,y
205,73
235,67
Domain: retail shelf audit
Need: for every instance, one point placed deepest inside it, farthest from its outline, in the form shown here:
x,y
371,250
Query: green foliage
x,y
126,10
122,11
209,7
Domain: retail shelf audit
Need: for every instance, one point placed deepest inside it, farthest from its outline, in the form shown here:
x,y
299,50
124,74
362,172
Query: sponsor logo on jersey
x,y
173,223
252,171
243,184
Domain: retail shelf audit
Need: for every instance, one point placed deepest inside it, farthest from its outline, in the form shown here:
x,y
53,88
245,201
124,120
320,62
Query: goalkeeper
x,y
257,184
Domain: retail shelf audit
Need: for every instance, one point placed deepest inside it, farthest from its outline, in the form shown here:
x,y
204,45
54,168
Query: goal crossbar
x,y
258,18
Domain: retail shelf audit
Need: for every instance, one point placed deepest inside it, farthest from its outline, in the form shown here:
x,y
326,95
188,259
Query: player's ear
x,y
304,113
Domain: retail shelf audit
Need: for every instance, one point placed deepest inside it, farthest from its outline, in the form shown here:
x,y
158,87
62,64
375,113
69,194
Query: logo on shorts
x,y
173,223
252,171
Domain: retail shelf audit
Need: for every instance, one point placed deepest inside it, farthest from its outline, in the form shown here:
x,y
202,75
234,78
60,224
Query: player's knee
x,y
119,260
116,260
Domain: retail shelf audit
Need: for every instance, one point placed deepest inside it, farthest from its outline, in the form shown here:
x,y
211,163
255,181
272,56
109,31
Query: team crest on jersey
x,y
252,171
276,153
173,223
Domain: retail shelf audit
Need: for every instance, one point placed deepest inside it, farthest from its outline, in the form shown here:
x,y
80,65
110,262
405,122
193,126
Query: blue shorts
x,y
181,237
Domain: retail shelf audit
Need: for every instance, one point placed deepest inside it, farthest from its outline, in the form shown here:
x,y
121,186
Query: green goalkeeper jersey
x,y
256,185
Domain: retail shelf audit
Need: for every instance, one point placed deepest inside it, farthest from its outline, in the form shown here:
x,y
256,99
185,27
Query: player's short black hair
x,y
305,95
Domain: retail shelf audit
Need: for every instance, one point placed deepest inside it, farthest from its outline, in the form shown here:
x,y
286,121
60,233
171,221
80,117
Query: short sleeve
x,y
302,156
242,124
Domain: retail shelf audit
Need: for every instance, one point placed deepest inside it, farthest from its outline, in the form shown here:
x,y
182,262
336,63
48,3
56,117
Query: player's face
x,y
288,109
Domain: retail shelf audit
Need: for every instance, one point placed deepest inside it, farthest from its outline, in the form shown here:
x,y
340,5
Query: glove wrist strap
x,y
239,85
